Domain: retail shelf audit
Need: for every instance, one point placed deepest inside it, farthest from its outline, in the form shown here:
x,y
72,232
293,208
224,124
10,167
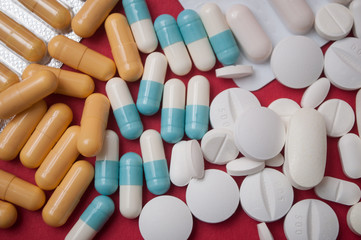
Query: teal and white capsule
x,y
173,112
130,185
124,109
140,22
195,37
154,163
219,33
106,165
171,41
92,220
152,83
197,108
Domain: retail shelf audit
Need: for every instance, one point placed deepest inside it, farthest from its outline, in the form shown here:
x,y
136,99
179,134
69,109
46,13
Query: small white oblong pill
x,y
285,108
244,166
266,196
339,117
354,218
316,93
263,232
349,147
311,219
276,161
358,111
355,8
234,71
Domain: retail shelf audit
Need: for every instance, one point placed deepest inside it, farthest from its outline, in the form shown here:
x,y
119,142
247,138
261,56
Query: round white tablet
x,y
214,198
244,166
316,93
339,117
333,21
311,219
234,71
354,218
343,63
259,133
165,217
297,61
227,105
285,108
266,196
276,161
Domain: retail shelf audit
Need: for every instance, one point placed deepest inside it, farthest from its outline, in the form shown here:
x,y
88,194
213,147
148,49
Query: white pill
x,y
316,93
333,21
343,2
263,232
358,111
343,63
285,108
311,219
244,167
354,218
165,217
228,104
297,61
186,162
276,161
214,198
259,133
339,117
266,196
234,71
355,8
218,146
349,147
305,149
337,190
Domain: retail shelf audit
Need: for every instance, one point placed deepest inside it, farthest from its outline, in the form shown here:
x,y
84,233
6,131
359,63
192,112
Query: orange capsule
x,y
82,58
20,192
8,214
68,194
22,95
124,49
57,163
91,16
46,134
93,124
18,130
7,77
21,40
71,84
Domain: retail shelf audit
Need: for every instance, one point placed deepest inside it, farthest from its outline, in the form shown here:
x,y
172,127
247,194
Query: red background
x,y
30,225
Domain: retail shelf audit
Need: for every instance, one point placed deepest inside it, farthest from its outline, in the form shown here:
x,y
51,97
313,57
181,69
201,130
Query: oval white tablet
x,y
165,217
311,219
234,71
358,111
349,147
214,198
354,218
339,117
316,93
297,61
276,161
244,166
263,232
285,108
266,196
355,8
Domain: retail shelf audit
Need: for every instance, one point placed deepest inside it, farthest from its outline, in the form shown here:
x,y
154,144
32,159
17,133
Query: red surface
x,y
31,226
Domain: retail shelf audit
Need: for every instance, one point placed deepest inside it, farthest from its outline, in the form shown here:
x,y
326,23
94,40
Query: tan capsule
x,y
7,77
82,58
91,16
8,214
22,95
71,84
21,40
46,134
52,12
124,49
20,192
93,124
19,129
68,194
59,160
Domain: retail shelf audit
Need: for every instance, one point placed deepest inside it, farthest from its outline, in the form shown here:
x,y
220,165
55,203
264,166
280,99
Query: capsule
x,y
22,95
107,165
59,160
172,44
130,185
195,37
223,43
124,48
91,16
8,215
50,11
93,124
154,162
254,41
82,58
67,195
71,84
20,192
19,129
124,109
46,134
151,86
21,40
140,22
197,109
173,113
7,78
